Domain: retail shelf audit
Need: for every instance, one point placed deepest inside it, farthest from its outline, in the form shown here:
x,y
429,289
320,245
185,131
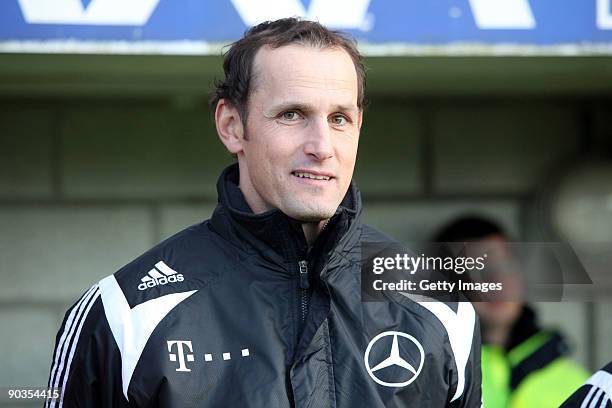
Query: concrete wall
x,y
85,186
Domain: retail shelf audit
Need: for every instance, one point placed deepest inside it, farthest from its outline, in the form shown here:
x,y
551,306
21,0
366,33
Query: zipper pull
x,y
304,283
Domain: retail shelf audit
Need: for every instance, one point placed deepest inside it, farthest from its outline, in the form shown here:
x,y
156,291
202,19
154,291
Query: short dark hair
x,y
238,60
468,228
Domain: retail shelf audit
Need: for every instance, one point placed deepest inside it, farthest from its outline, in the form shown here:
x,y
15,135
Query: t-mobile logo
x,y
181,353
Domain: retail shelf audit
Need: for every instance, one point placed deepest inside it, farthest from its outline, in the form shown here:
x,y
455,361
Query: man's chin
x,y
311,215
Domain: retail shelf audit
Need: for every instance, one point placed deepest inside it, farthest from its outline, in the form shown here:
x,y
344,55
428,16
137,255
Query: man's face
x,y
302,131
502,267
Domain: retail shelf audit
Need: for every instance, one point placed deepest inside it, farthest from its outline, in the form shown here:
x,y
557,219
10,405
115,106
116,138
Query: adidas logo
x,y
160,275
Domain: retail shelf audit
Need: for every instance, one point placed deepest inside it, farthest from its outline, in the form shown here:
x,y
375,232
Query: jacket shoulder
x,y
186,261
76,368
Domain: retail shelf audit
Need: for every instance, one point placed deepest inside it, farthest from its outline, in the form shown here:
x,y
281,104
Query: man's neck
x,y
312,230
496,335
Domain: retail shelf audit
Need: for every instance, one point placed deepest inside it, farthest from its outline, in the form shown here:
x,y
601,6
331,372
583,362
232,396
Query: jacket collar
x,y
273,233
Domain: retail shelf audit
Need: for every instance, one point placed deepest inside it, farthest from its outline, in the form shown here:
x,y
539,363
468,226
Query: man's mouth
x,y
312,176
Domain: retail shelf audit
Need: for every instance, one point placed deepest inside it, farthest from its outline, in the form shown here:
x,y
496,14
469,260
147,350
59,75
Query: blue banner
x,y
201,26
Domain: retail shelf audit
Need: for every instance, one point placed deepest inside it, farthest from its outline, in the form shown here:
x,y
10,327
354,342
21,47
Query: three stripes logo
x,y
161,274
600,393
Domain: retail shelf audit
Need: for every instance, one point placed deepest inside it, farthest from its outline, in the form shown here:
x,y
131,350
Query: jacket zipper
x,y
304,285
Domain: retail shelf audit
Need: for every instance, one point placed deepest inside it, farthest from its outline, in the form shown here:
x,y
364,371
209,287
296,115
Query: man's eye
x,y
339,120
289,115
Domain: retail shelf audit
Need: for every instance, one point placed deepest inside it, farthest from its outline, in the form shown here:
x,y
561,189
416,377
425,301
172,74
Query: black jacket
x,y
238,312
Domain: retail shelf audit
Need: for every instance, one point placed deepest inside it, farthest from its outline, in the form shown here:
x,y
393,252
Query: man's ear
x,y
360,119
229,126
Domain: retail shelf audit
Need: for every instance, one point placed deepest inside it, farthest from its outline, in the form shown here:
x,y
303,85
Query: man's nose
x,y
319,144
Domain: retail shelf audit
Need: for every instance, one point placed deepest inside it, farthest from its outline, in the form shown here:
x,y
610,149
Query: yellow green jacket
x,y
536,372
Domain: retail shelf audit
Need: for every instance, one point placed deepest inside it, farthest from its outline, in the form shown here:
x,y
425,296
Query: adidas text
x,y
161,281
161,274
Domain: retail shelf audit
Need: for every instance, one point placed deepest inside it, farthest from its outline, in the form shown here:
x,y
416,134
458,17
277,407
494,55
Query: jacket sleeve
x,y
86,365
472,394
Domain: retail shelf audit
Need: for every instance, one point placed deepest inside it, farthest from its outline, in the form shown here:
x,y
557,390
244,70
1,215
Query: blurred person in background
x,y
523,364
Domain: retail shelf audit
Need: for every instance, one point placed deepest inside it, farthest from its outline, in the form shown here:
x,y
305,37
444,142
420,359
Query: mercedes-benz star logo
x,y
394,359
